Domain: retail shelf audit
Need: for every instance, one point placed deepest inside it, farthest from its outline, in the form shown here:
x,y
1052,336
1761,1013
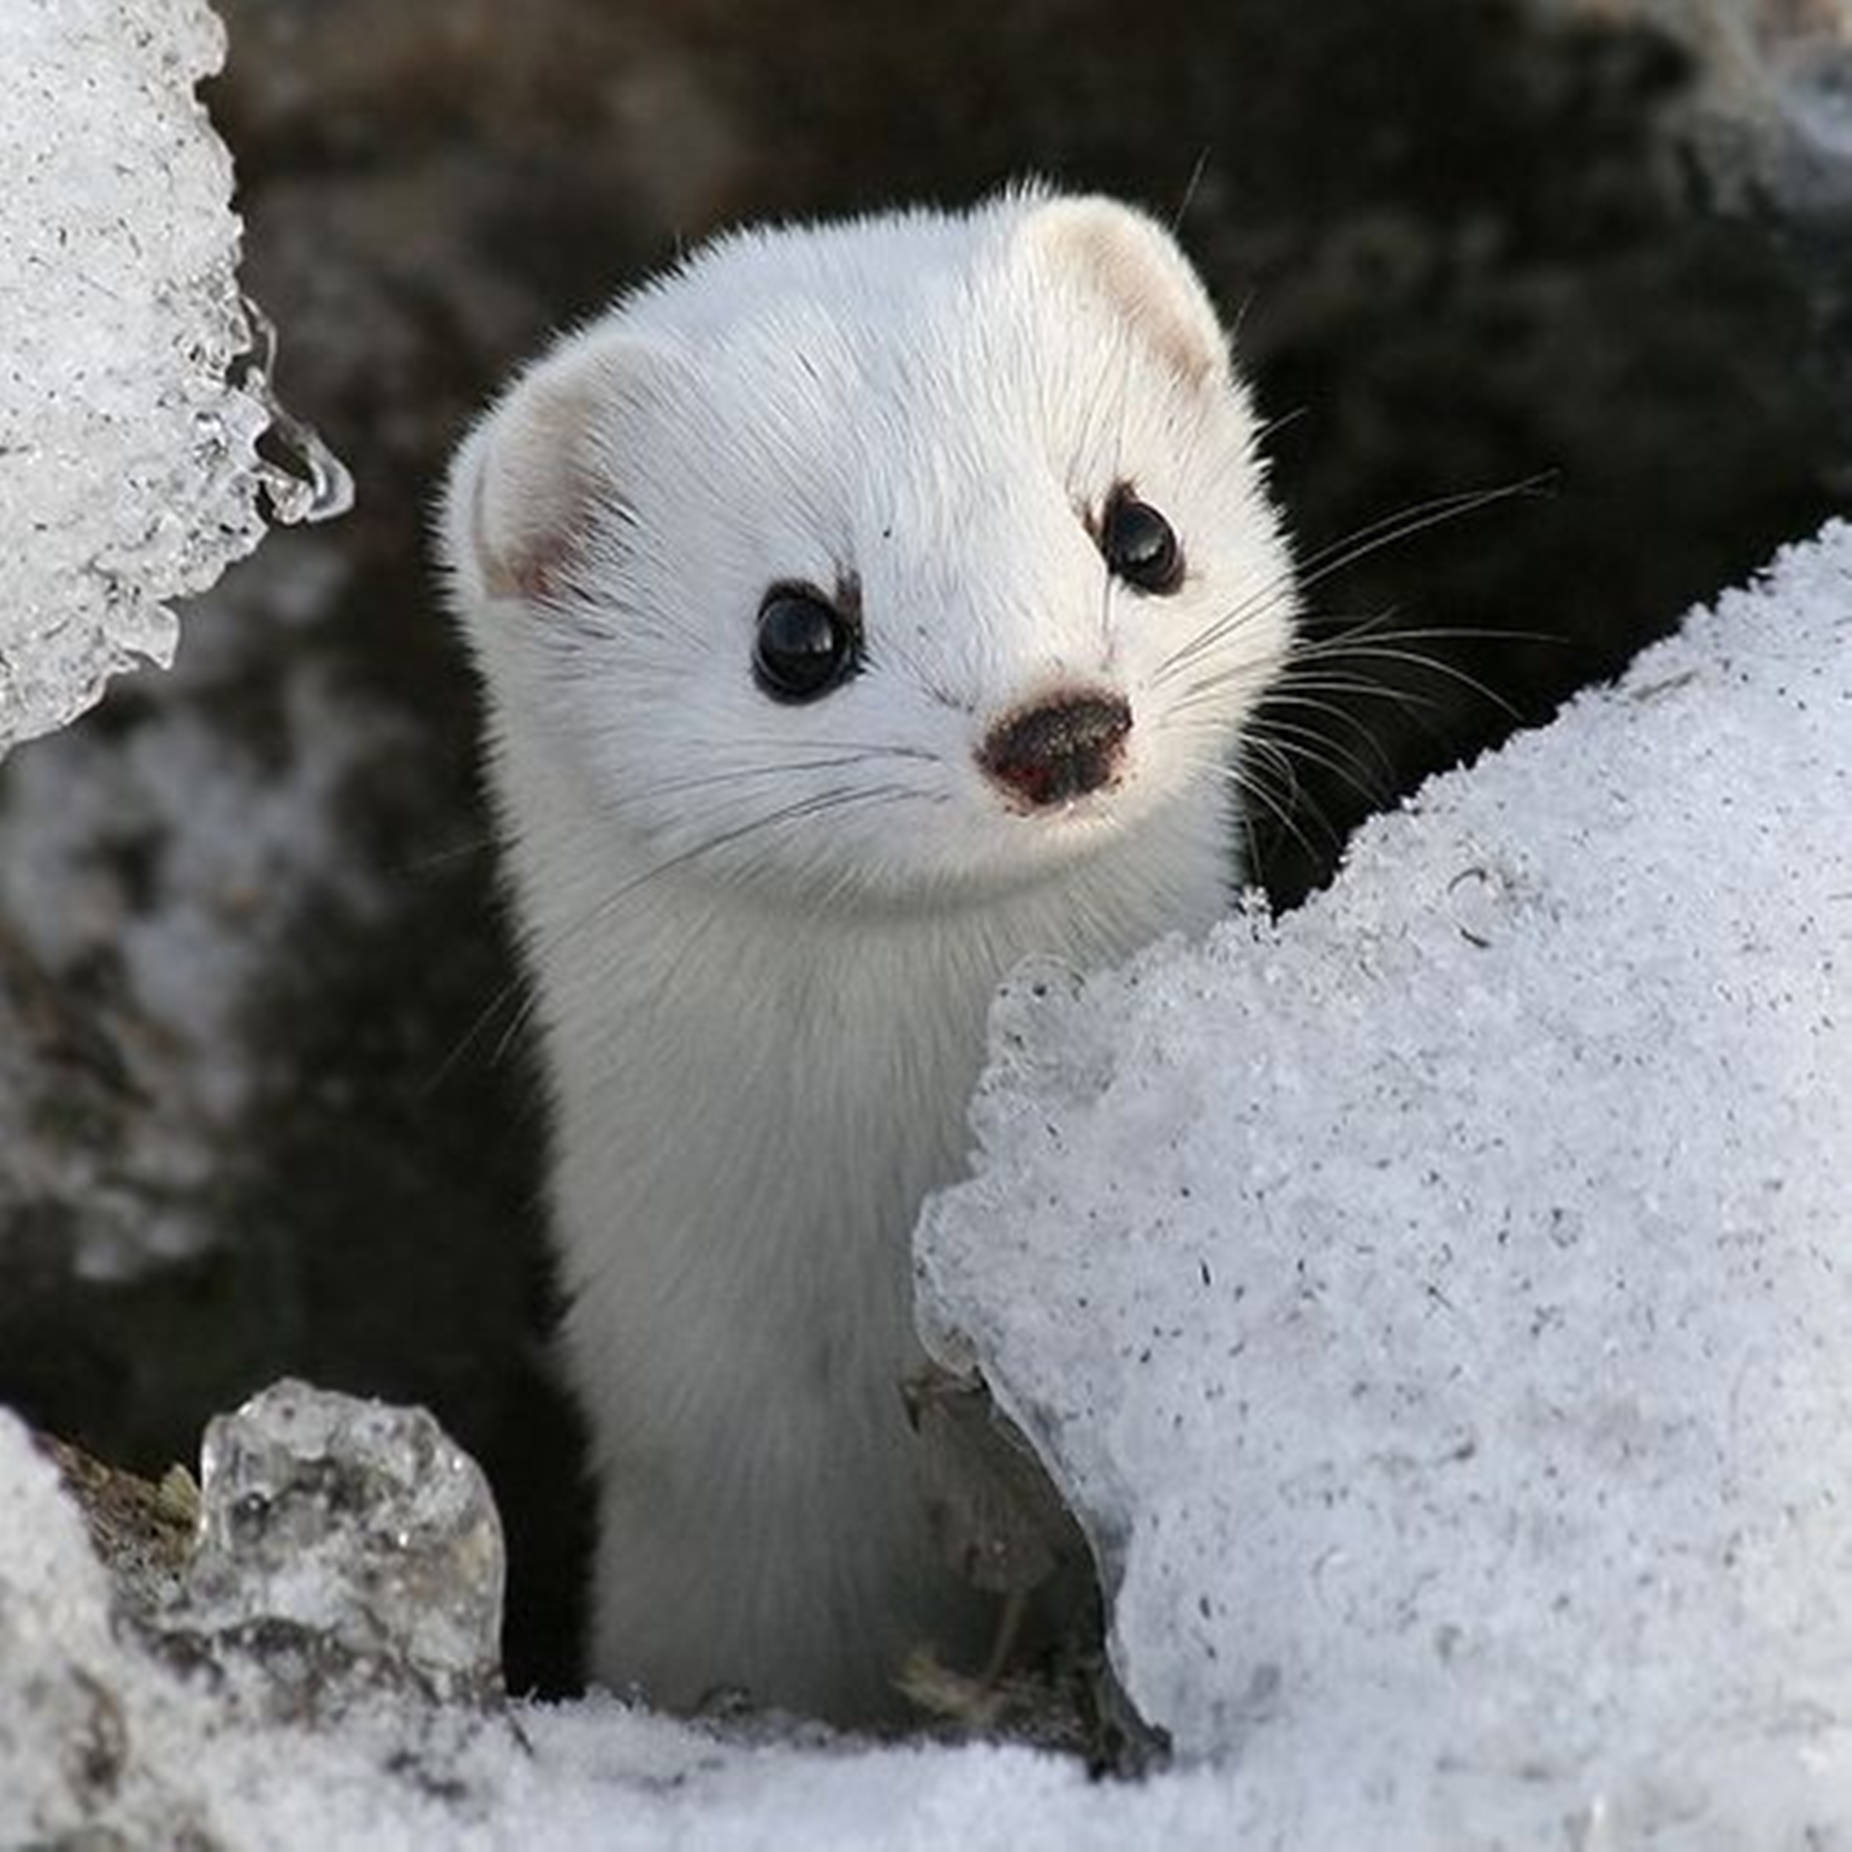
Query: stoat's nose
x,y
1059,749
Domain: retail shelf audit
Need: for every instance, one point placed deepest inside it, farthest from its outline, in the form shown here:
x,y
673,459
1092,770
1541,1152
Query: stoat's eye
x,y
804,646
1139,545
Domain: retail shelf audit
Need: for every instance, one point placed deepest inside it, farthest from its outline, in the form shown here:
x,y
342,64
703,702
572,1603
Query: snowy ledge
x,y
1433,1304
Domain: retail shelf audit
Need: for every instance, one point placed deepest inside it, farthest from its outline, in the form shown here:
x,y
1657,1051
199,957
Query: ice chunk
x,y
1436,1304
360,1525
133,385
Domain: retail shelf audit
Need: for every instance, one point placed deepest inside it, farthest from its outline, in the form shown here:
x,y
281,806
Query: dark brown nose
x,y
1060,750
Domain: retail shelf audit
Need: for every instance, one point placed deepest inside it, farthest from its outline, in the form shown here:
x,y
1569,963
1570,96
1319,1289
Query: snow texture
x,y
1435,1303
131,397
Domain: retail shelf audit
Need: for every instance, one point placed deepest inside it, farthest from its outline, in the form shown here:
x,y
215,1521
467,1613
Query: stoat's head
x,y
902,560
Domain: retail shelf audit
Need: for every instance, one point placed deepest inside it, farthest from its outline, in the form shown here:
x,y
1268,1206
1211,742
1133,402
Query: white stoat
x,y
861,608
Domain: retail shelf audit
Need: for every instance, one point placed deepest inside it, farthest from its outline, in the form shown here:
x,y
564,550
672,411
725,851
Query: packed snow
x,y
1435,1303
1432,1303
133,381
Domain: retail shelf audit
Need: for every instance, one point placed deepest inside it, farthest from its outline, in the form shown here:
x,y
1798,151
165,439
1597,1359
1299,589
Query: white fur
x,y
762,1024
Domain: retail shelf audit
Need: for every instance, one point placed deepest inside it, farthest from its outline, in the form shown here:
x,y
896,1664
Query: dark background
x,y
1466,250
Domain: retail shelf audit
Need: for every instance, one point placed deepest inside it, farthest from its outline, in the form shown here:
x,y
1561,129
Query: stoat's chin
x,y
1105,808
1025,847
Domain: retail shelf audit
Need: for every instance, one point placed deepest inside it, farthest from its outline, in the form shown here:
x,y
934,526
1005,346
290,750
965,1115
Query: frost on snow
x,y
133,381
1436,1304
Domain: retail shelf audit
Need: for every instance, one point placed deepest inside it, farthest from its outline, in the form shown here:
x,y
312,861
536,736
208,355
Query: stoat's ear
x,y
526,485
1135,264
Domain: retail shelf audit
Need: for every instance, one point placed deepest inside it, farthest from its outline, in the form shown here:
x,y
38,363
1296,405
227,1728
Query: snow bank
x,y
1437,1304
276,1738
128,465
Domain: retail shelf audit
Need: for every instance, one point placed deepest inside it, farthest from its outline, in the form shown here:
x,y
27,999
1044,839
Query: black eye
x,y
1139,546
804,645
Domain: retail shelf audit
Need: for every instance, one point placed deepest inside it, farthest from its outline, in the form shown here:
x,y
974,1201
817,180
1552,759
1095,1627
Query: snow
x,y
1435,1303
101,1741
1432,1302
133,383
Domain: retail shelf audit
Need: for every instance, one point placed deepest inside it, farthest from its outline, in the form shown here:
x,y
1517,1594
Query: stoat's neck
x,y
750,1100
750,1103
774,1074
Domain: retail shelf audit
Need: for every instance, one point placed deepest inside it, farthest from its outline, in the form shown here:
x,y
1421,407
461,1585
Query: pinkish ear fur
x,y
529,481
1135,264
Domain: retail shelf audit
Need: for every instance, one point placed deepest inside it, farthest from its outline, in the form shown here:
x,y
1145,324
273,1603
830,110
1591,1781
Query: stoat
x,y
861,608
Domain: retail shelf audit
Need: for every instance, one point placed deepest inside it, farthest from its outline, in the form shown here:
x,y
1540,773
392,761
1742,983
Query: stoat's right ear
x,y
527,484
1129,260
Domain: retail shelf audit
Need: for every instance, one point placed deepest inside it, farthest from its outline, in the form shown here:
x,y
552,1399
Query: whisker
x,y
873,749
1292,688
1280,808
1266,719
1372,538
1313,647
1313,747
1279,762
1292,691
1389,529
1435,665
1189,190
746,774
800,810
1286,754
1278,590
523,1015
1367,640
1270,428
1248,787
1258,670
465,850
461,1046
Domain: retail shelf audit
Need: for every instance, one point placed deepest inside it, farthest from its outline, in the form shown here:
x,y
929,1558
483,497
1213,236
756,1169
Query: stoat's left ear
x,y
1135,264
